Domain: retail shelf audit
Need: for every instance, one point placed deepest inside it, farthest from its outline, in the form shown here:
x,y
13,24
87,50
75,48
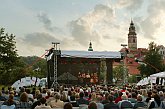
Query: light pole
x,y
125,75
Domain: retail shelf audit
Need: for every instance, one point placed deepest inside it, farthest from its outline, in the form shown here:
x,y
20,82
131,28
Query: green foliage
x,y
13,67
103,70
36,66
132,79
118,72
9,60
152,62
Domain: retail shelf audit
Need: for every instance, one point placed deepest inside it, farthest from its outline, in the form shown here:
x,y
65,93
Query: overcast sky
x,y
74,23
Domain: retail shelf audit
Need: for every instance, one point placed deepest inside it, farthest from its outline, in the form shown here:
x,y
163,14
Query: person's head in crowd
x,y
120,94
86,93
39,96
37,92
111,98
11,98
22,89
149,93
9,89
27,90
143,92
93,96
12,92
92,105
57,96
124,97
139,98
161,93
24,97
134,95
44,91
48,93
64,96
98,98
68,106
43,100
81,94
69,93
3,89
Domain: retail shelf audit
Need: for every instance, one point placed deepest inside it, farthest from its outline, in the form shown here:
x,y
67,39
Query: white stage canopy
x,y
89,54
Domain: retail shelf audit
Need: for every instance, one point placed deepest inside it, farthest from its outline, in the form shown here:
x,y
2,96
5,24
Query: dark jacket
x,y
111,105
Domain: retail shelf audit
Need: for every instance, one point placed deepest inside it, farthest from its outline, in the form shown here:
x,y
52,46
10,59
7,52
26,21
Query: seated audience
x,y
57,103
68,106
139,102
23,103
42,106
111,104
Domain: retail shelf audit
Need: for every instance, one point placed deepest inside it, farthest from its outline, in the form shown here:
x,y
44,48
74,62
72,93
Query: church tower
x,y
132,39
90,47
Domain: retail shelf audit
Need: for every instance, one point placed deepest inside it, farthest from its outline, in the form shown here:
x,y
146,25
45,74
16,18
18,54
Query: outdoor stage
x,y
81,67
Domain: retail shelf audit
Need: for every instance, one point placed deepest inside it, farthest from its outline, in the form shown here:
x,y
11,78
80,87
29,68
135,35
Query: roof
x,y
91,54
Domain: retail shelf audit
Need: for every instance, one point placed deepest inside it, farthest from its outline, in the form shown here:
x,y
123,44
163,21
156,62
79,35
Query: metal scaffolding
x,y
55,54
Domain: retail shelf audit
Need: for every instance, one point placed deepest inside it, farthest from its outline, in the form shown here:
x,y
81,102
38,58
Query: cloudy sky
x,y
74,23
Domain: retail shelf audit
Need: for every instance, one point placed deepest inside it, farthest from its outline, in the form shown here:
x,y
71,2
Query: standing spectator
x,y
111,104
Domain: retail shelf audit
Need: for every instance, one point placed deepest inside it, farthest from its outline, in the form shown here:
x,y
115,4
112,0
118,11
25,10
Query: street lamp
x,y
125,78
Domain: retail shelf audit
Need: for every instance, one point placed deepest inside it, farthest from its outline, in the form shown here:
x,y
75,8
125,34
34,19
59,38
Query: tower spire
x,y
132,39
90,47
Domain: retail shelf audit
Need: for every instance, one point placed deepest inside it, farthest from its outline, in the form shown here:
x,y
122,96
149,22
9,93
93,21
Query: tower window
x,y
133,40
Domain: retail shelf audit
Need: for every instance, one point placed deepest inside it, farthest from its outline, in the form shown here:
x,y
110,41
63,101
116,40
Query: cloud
x,y
43,18
130,5
90,26
39,39
151,24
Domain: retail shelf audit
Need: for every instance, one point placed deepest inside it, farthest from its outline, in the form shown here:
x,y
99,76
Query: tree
x,y
118,72
36,66
103,71
8,57
152,62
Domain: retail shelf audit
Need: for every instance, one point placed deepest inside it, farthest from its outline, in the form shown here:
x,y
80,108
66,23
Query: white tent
x,y
160,74
144,81
26,81
151,79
